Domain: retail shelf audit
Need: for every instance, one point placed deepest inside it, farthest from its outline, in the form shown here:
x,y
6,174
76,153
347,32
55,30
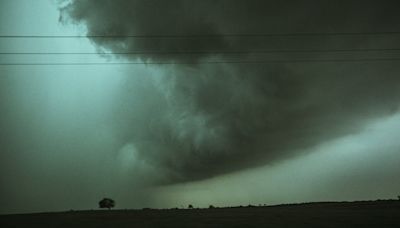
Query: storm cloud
x,y
195,121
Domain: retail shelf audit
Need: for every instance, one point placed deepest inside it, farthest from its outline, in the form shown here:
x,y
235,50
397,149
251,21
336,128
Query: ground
x,y
382,213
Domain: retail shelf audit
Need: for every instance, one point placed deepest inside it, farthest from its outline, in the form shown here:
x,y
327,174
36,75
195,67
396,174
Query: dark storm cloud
x,y
203,120
215,18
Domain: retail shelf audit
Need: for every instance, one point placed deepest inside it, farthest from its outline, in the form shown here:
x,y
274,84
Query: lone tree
x,y
106,203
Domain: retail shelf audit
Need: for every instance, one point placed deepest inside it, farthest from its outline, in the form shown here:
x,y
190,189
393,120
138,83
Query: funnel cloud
x,y
194,121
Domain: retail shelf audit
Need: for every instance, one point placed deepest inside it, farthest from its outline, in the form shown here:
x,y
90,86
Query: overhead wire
x,y
185,36
205,62
215,52
208,52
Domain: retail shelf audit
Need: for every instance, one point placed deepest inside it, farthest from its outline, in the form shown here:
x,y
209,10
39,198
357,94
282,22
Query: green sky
x,y
195,133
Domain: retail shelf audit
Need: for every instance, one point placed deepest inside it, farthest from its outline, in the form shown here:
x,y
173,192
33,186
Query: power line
x,y
206,62
205,52
185,36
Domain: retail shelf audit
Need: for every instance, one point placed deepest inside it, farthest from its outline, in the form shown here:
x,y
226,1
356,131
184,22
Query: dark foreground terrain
x,y
385,213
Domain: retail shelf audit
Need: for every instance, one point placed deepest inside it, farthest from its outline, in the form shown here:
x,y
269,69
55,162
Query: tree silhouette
x,y
190,206
106,203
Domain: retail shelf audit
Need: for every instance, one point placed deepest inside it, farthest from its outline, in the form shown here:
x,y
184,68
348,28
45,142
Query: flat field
x,y
383,213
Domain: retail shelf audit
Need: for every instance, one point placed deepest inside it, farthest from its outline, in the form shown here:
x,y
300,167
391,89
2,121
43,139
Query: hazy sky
x,y
196,133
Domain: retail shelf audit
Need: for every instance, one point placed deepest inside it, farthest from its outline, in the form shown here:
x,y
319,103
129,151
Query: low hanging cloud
x,y
195,121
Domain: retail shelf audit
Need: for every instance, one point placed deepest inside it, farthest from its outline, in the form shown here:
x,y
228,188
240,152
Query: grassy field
x,y
385,213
